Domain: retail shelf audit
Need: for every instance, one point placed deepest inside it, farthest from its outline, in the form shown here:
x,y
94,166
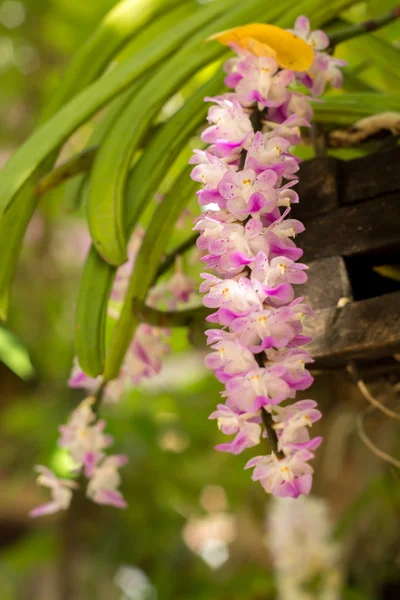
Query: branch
x,y
161,318
169,259
365,129
352,369
365,27
79,163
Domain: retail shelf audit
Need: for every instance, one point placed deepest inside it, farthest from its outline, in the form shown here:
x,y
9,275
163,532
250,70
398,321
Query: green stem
x,y
169,259
364,27
79,163
272,437
98,396
167,318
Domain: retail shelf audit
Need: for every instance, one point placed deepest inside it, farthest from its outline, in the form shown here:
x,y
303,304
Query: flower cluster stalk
x,y
248,174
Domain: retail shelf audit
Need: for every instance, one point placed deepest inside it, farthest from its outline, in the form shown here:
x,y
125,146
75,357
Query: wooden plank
x,y
317,188
366,329
369,177
328,281
353,230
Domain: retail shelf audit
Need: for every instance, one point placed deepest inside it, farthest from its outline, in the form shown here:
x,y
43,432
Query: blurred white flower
x,y
305,556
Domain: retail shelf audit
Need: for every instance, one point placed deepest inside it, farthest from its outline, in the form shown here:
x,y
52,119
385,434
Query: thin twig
x,y
352,369
365,27
364,438
79,163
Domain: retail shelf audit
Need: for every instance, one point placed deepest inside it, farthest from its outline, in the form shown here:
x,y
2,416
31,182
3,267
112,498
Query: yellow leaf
x,y
289,50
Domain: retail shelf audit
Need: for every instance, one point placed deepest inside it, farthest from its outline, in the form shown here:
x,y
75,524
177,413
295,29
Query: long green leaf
x,y
56,130
382,55
345,109
13,225
74,188
126,18
146,176
106,205
14,355
107,191
89,62
91,313
164,148
147,261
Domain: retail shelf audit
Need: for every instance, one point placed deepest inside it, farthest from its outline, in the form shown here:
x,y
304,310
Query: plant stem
x,y
79,163
169,259
272,437
365,27
161,318
98,396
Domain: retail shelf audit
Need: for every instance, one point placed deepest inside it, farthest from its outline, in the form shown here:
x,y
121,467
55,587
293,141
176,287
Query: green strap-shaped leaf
x,y
91,313
74,188
380,53
164,148
14,355
74,193
345,109
146,177
22,174
12,230
107,189
323,12
56,130
126,18
153,247
158,27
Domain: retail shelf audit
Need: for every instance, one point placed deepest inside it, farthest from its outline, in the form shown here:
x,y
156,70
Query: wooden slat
x,y
372,176
366,329
328,281
353,230
317,188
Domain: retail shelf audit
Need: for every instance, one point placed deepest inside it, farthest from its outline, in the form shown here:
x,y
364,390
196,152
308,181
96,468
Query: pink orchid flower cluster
x,y
84,439
83,436
246,233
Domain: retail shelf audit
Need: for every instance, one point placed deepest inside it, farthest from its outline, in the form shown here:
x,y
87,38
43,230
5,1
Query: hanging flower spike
x,y
61,492
84,439
248,172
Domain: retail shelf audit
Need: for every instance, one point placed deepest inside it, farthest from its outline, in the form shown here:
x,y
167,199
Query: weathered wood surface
x,y
370,177
327,183
363,330
351,211
317,188
372,226
328,282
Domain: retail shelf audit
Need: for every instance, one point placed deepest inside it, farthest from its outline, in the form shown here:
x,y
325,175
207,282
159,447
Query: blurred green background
x,y
196,527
